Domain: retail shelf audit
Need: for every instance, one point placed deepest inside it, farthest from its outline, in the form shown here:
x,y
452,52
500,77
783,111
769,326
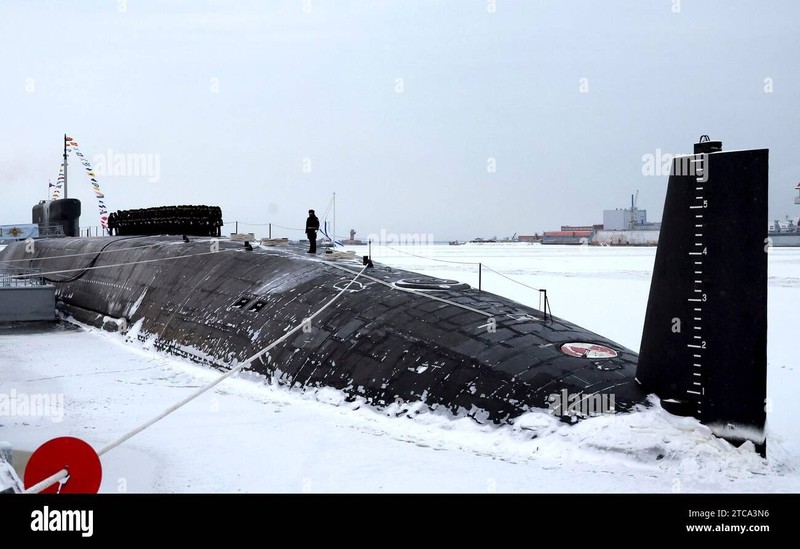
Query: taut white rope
x,y
63,473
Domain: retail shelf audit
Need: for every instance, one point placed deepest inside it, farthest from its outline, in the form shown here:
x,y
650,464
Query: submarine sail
x,y
704,344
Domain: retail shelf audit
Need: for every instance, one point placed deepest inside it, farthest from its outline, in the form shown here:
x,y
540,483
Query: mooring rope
x,y
433,258
80,254
64,473
417,292
511,279
142,261
483,265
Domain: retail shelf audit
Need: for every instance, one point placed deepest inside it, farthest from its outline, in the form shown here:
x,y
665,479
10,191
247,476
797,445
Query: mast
x,y
334,221
65,165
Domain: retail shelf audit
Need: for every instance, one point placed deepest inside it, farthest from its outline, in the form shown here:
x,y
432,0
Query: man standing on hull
x,y
312,226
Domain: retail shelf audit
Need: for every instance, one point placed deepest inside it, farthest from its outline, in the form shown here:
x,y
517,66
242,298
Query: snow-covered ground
x,y
247,436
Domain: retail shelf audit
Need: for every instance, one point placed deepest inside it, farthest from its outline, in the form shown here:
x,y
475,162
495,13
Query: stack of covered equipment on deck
x,y
179,220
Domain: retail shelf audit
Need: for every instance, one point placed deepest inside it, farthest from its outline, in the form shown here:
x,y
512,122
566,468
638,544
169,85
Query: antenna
x,y
334,221
65,165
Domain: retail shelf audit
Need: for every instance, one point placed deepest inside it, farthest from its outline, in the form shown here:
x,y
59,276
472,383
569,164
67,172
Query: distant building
x,y
353,241
567,237
619,220
627,227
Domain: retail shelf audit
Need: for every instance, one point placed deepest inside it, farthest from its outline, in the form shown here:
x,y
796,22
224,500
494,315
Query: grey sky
x,y
401,108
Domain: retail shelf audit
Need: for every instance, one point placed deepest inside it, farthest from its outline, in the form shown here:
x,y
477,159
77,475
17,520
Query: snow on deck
x,y
246,436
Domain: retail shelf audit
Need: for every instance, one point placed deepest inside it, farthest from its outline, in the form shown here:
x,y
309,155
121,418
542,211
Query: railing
x,y
17,277
93,231
55,231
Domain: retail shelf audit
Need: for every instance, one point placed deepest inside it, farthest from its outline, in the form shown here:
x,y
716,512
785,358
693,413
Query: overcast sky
x,y
462,118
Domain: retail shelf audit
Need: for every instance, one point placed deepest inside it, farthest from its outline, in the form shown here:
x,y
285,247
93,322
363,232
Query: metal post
x,y
270,230
480,275
544,303
369,249
65,165
237,228
334,221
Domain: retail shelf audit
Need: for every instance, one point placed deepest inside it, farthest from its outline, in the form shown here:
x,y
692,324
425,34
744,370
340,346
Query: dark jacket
x,y
312,223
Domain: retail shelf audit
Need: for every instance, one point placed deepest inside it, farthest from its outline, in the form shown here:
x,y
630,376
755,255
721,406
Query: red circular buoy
x,y
72,454
587,350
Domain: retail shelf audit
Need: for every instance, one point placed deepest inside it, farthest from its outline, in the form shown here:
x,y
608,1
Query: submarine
x,y
396,336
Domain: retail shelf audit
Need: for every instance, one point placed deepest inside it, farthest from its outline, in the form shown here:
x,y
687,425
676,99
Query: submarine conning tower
x,y
58,217
704,343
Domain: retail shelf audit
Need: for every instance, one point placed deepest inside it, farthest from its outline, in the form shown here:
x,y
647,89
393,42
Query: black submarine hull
x,y
393,336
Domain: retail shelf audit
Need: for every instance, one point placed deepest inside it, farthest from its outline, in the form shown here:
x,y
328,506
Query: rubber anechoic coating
x,y
430,283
